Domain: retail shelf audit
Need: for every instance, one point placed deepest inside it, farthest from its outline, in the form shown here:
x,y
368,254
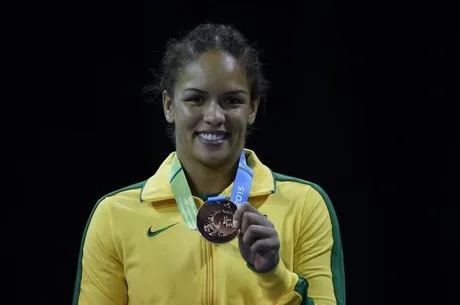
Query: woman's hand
x,y
258,240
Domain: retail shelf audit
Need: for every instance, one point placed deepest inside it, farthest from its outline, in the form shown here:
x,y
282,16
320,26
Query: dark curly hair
x,y
205,37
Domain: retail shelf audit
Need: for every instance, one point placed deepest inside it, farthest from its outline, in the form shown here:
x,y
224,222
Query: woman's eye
x,y
195,99
233,100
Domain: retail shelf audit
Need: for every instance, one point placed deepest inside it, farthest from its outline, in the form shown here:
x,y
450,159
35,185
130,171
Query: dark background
x,y
357,105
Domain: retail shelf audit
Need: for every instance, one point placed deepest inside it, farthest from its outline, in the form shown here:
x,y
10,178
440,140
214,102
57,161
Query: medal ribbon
x,y
184,198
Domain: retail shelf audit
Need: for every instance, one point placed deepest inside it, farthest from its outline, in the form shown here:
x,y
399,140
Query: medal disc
x,y
215,221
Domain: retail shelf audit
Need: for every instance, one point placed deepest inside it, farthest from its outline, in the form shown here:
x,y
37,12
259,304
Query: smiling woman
x,y
213,224
210,107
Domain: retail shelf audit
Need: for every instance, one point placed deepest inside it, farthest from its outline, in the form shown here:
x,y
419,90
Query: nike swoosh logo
x,y
151,233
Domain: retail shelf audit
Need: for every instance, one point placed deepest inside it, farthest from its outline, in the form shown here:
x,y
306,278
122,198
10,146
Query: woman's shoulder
x,y
312,193
126,195
296,182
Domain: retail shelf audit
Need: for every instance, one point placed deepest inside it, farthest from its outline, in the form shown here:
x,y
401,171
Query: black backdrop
x,y
348,82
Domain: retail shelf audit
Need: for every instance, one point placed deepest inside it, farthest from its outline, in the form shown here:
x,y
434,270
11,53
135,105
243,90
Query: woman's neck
x,y
203,179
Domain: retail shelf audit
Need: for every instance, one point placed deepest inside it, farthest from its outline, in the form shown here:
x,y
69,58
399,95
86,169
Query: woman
x,y
213,225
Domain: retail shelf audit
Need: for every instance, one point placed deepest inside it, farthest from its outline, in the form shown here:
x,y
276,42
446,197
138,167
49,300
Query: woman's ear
x,y
253,114
168,107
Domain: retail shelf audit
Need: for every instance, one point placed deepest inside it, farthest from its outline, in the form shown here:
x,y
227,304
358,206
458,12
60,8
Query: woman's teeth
x,y
211,136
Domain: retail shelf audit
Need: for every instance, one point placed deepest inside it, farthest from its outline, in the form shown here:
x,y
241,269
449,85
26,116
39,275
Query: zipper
x,y
214,276
209,275
208,268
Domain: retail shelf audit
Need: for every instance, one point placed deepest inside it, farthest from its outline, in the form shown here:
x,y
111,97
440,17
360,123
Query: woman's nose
x,y
214,114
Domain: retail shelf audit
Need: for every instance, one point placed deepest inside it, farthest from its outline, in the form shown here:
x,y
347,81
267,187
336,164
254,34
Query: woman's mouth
x,y
213,138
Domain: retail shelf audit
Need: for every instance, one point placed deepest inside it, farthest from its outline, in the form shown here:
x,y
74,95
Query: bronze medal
x,y
215,221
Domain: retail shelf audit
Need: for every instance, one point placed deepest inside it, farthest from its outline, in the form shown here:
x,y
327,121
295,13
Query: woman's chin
x,y
214,157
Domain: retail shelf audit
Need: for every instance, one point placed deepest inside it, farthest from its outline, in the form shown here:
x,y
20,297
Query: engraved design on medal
x,y
220,223
215,221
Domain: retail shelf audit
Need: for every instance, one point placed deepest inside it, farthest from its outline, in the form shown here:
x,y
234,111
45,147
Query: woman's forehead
x,y
213,60
212,68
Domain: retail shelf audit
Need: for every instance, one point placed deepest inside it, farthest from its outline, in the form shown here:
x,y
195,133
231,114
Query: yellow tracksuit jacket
x,y
136,249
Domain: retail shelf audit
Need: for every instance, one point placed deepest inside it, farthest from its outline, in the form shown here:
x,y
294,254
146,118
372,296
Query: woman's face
x,y
211,109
